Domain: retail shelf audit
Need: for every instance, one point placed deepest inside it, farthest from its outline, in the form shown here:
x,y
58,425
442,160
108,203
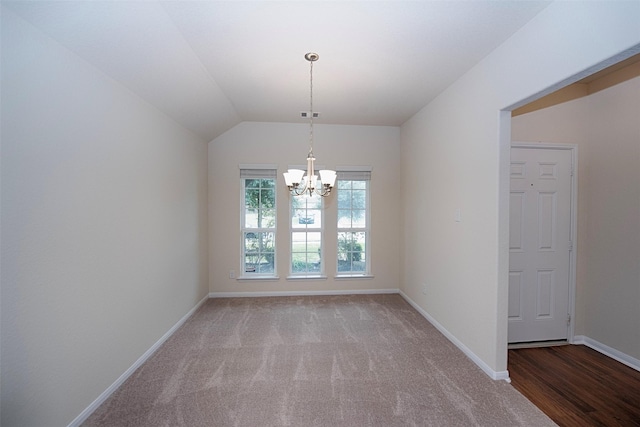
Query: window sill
x,y
267,278
352,276
310,277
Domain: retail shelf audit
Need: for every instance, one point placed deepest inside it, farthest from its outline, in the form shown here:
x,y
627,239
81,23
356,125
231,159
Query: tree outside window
x,y
259,222
353,227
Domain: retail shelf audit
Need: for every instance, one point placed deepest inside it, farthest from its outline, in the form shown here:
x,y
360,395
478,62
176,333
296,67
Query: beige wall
x,y
606,128
284,145
104,228
457,149
104,205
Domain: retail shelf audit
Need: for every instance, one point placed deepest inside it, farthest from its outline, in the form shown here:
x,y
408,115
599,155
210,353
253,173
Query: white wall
x,y
606,128
284,145
457,148
104,228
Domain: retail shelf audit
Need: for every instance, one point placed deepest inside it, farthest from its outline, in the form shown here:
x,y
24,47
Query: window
x,y
306,235
258,222
353,222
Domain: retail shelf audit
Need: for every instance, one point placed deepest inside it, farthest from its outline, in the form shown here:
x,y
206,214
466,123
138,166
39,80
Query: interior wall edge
x,y
493,374
77,422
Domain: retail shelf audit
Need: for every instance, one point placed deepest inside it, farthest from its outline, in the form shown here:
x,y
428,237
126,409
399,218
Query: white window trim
x,y
367,273
304,276
243,276
307,277
353,276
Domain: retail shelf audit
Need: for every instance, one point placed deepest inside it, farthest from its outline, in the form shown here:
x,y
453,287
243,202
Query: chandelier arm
x,y
323,192
298,191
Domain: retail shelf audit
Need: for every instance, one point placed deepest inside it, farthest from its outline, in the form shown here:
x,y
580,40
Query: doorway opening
x,y
615,70
542,232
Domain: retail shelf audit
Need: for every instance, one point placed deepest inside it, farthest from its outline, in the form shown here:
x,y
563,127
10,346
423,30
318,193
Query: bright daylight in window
x,y
353,222
258,222
306,235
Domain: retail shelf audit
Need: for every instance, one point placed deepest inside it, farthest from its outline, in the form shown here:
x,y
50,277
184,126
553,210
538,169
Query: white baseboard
x,y
621,357
495,375
302,293
113,387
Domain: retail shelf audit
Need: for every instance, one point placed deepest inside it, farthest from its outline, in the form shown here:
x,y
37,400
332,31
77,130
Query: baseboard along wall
x,y
301,293
621,357
496,375
147,354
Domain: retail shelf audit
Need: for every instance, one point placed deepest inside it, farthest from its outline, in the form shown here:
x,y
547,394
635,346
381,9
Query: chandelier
x,y
297,182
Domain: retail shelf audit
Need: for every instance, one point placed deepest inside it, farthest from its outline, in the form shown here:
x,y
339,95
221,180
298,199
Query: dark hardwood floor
x,y
577,386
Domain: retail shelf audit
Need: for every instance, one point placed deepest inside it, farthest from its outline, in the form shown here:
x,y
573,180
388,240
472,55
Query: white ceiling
x,y
213,64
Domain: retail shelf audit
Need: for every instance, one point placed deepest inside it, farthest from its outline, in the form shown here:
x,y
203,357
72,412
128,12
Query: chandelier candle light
x,y
297,182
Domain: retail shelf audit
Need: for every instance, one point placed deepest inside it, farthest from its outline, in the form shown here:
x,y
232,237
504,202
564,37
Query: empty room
x,y
297,213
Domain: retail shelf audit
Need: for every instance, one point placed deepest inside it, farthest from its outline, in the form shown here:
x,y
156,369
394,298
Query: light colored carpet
x,y
362,360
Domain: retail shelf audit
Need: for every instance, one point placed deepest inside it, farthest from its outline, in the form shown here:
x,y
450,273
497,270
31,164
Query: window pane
x,y
359,243
252,183
268,183
251,218
359,199
344,198
267,198
298,202
305,219
252,197
314,202
344,218
359,218
268,219
306,212
316,215
343,184
359,185
313,240
306,252
351,252
259,252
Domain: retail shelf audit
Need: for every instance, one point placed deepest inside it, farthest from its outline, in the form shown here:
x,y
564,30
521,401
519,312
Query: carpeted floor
x,y
362,360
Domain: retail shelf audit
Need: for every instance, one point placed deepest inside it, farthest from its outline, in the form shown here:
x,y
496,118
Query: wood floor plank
x,y
577,386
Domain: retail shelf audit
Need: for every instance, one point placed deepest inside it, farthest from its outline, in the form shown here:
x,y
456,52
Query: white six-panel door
x,y
539,244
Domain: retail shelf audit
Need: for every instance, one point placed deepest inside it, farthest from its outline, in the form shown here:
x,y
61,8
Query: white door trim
x,y
573,148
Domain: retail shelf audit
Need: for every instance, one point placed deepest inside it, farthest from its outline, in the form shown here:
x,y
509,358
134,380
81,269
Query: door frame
x,y
573,148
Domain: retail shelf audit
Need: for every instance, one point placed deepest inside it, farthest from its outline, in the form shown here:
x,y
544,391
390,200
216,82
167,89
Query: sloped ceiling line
x,y
211,64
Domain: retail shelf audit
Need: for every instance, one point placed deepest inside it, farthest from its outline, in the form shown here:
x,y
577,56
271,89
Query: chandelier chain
x,y
311,108
297,182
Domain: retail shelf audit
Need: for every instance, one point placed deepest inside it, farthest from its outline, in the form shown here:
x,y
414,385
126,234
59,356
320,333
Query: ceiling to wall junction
x,y
210,65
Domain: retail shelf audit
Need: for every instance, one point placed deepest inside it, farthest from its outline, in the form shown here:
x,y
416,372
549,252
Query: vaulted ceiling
x,y
212,64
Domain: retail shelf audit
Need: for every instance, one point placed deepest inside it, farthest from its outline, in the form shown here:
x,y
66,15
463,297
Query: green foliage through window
x,y
352,225
259,222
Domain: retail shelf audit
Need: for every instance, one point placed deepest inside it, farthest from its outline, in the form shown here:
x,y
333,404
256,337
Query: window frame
x,y
248,172
355,174
320,230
